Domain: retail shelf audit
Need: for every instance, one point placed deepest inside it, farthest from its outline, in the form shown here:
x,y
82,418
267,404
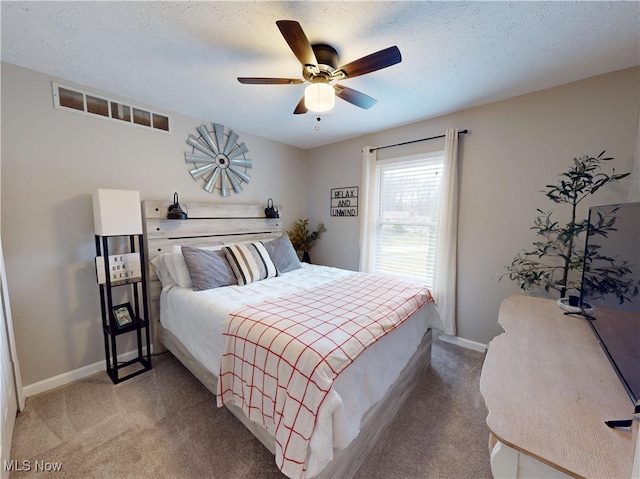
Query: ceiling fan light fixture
x,y
319,97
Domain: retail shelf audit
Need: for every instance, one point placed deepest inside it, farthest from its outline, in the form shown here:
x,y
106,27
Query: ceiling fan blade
x,y
300,108
376,61
298,42
354,96
269,81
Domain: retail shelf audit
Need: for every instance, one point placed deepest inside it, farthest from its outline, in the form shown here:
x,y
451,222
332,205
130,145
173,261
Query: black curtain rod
x,y
462,132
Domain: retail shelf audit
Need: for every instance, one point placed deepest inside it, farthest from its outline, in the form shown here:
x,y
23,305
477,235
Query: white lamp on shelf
x,y
116,212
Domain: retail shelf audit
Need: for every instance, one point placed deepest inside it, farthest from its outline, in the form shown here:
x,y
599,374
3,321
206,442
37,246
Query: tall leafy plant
x,y
301,238
552,259
605,274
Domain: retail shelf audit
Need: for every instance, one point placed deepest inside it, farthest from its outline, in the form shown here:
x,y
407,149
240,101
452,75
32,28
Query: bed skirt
x,y
347,461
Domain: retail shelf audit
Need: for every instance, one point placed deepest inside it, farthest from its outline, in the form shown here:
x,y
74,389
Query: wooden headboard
x,y
208,224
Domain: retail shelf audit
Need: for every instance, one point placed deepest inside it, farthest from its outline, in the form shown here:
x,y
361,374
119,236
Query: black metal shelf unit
x,y
140,321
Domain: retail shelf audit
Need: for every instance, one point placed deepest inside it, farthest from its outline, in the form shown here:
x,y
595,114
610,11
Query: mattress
x,y
198,320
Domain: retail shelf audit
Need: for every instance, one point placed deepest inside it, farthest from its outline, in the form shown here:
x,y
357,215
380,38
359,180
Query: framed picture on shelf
x,y
123,315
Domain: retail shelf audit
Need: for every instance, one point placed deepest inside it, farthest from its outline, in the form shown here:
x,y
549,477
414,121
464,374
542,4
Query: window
x,y
71,99
97,106
160,122
78,101
141,117
407,200
120,112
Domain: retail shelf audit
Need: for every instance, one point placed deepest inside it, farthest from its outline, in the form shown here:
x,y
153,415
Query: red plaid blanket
x,y
281,356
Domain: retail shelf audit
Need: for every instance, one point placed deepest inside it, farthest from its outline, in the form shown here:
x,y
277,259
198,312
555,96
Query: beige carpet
x,y
165,424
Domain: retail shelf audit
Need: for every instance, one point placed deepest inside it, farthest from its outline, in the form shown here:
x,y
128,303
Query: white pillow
x,y
161,266
178,268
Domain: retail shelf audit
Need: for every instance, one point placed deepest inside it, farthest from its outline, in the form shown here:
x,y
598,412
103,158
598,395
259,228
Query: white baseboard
x,y
75,375
465,343
83,372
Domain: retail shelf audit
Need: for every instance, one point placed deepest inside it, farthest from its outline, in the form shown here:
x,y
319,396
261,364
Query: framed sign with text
x,y
344,201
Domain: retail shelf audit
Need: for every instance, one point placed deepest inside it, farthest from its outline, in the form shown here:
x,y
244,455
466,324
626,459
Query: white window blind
x,y
407,199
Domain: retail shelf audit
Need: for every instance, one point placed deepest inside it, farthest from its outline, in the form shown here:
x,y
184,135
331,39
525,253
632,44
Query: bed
x,y
353,408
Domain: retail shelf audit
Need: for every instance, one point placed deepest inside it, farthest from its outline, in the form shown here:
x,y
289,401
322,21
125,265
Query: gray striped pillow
x,y
250,262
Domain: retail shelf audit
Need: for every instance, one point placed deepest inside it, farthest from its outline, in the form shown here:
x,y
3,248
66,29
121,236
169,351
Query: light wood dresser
x,y
549,388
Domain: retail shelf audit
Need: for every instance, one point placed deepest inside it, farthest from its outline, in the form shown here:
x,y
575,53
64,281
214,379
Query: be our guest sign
x,y
344,201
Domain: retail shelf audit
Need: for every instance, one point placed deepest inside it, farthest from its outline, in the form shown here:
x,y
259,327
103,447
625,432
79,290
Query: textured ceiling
x,y
185,56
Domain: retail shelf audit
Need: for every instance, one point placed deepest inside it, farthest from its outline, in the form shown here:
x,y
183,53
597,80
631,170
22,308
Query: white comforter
x,y
198,320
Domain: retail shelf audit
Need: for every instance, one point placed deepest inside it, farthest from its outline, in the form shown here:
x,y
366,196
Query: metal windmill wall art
x,y
219,161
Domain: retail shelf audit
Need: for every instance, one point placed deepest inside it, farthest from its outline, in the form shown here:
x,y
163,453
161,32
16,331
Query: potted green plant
x,y
302,239
556,260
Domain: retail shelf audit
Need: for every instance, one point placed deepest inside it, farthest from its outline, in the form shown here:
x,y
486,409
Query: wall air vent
x,y
79,101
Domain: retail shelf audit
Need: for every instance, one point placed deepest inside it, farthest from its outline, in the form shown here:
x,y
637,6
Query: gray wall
x,y
52,160
515,148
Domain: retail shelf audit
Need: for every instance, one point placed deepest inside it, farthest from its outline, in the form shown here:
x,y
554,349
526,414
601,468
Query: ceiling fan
x,y
319,68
